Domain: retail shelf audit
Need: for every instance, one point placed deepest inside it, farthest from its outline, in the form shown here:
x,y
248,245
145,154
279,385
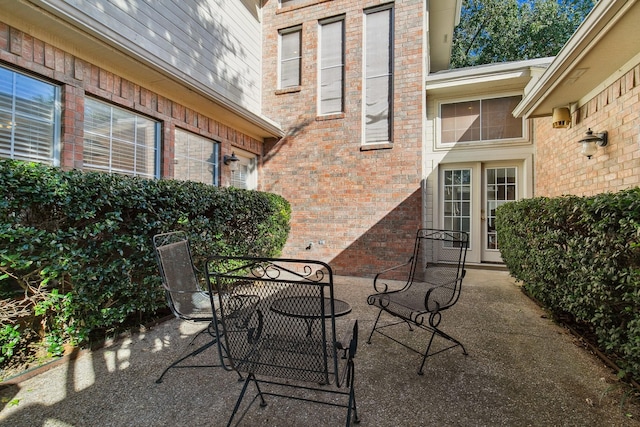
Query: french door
x,y
470,195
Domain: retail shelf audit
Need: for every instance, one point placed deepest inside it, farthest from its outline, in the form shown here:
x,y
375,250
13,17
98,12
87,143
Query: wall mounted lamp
x,y
561,117
231,161
592,141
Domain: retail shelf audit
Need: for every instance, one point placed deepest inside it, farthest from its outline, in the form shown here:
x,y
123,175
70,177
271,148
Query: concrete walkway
x,y
522,370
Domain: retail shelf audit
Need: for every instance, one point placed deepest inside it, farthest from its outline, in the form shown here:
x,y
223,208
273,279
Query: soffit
x,y
444,15
600,48
65,33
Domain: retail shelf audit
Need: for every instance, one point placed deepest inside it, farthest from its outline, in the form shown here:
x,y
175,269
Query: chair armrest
x,y
385,287
435,306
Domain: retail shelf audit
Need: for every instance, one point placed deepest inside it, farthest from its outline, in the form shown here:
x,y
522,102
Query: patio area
x,y
522,370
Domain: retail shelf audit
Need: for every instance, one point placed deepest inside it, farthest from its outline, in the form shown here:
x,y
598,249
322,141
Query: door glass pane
x,y
500,188
457,200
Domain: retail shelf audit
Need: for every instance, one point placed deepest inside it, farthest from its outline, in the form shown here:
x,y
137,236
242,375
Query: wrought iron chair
x,y
279,321
186,297
418,292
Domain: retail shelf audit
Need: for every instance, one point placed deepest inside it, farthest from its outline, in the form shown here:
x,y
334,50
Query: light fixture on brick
x,y
592,141
561,117
231,161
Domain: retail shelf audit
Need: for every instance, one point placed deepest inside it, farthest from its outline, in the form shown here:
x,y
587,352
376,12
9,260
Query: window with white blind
x,y
195,158
331,73
119,141
480,120
378,64
246,176
29,118
290,57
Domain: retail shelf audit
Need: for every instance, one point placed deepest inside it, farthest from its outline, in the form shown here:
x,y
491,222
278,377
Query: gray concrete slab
x,y
521,370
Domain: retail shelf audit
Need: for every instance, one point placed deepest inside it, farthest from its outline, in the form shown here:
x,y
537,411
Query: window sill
x,y
335,116
379,146
292,89
299,5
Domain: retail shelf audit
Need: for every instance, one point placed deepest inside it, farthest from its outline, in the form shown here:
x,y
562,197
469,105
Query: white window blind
x,y
119,141
331,67
29,118
480,120
290,58
378,76
195,158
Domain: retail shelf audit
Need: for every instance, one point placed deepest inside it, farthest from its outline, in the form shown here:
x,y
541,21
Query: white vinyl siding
x,y
213,44
378,64
29,118
331,73
195,158
290,57
119,141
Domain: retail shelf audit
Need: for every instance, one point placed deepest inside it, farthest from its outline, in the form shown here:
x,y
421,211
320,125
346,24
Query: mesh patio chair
x,y
280,330
186,297
418,292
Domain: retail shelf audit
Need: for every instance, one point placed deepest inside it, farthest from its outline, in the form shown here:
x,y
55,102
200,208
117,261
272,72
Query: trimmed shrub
x,y
580,256
76,247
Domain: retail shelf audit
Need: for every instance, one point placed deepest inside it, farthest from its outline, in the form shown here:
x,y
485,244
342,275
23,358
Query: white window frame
x,y
13,121
195,157
246,177
390,73
298,58
487,142
322,67
107,135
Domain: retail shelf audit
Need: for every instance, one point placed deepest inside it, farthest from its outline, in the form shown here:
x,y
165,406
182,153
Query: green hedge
x,y
76,247
581,256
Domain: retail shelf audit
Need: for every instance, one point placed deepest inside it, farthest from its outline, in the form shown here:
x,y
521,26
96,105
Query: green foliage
x,y
9,339
78,245
581,256
493,31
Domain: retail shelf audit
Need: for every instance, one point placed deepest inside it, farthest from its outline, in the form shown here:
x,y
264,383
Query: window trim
x,y
321,24
377,144
524,139
282,32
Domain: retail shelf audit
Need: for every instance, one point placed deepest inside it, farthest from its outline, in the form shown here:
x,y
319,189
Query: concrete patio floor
x,y
522,370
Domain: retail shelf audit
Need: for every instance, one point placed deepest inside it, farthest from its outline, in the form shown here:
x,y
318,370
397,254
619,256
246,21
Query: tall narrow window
x,y
290,57
457,199
196,158
119,141
378,64
29,118
331,75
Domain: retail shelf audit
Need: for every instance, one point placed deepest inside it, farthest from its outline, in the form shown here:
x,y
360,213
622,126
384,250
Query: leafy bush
x,y
76,247
581,256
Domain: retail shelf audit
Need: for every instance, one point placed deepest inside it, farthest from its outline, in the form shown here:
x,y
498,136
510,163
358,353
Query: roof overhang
x,y
603,48
69,33
494,78
444,16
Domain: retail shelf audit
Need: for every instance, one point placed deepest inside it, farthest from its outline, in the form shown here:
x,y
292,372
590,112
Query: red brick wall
x,y
79,78
360,208
559,166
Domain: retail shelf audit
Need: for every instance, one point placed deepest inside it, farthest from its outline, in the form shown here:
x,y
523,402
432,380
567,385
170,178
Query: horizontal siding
x,y
217,43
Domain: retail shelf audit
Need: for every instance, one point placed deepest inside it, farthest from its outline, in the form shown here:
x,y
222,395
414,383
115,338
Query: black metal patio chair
x,y
418,292
187,297
280,330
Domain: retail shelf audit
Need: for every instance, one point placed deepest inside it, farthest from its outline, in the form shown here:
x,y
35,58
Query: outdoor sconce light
x,y
231,161
561,117
591,142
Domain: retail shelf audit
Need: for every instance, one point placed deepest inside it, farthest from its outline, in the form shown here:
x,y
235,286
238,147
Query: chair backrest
x,y
278,316
186,298
438,262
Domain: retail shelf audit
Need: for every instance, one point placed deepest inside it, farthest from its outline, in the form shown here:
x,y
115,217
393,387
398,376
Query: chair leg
x,y
445,336
352,396
193,353
374,326
250,378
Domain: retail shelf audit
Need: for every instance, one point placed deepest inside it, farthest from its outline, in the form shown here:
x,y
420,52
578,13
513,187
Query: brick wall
x,y
559,166
79,78
359,208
